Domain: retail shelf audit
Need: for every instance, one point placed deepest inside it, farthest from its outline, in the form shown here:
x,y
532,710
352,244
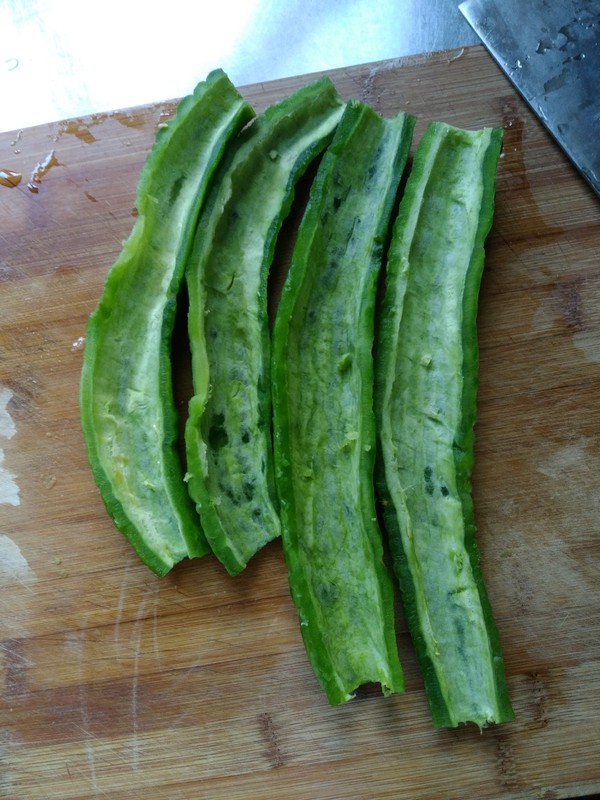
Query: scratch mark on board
x,y
14,657
76,643
119,612
151,593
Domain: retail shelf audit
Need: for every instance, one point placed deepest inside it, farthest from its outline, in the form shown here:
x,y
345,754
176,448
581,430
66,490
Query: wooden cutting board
x,y
117,684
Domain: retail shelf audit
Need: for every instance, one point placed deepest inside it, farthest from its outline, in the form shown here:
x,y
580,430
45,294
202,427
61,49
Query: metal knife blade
x,y
550,51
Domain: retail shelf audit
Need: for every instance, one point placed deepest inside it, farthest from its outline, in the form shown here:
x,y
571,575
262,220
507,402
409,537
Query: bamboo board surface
x,y
117,684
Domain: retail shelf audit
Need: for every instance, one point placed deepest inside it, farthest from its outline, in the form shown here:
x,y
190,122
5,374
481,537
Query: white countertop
x,y
60,59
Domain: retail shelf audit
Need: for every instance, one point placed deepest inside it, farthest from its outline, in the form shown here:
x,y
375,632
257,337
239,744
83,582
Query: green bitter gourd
x,y
324,429
228,431
128,412
425,401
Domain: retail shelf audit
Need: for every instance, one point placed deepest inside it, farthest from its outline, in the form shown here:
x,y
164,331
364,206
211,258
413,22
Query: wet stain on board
x,y
513,177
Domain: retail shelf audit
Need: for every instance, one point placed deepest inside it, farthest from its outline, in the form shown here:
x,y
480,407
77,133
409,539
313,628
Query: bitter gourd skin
x,y
128,412
425,401
324,430
228,430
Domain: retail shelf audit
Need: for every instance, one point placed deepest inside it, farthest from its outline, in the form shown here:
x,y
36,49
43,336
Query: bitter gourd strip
x,y
324,430
127,408
425,400
228,431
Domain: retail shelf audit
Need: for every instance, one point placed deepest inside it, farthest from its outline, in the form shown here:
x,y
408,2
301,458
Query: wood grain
x,y
117,684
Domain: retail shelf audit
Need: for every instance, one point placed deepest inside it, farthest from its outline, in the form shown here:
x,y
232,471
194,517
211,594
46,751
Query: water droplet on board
x,y
131,119
9,178
41,169
78,344
76,128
